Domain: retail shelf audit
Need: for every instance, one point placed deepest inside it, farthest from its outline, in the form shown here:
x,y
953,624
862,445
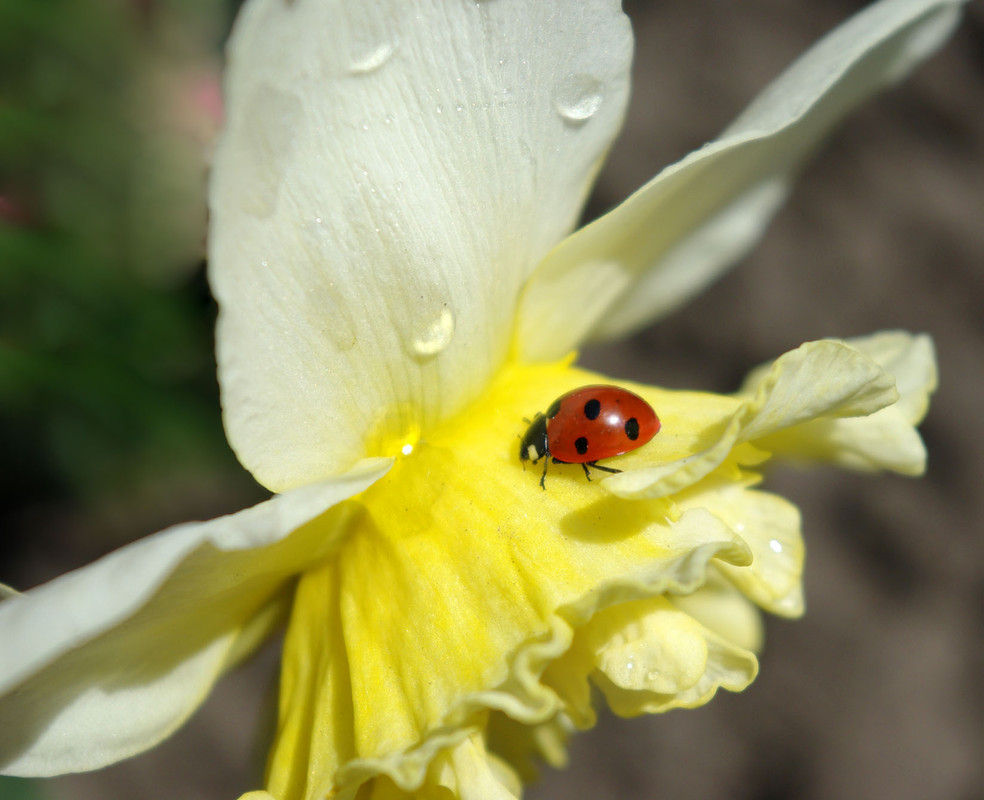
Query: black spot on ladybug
x,y
554,408
581,445
592,408
632,428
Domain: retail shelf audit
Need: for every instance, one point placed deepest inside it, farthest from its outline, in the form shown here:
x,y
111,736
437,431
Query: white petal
x,y
691,222
389,176
106,661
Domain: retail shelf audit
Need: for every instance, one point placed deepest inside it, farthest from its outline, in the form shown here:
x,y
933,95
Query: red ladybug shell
x,y
596,422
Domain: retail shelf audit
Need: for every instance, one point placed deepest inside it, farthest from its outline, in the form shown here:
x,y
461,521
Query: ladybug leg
x,y
543,477
605,469
596,465
586,473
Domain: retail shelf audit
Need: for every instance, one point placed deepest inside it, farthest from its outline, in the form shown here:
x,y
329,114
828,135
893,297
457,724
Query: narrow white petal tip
x,y
106,661
699,216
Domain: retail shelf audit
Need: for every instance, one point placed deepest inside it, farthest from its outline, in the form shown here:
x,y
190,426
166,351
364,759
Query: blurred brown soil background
x,y
877,692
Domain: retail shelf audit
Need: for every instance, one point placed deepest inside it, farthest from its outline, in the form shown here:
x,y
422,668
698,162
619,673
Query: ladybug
x,y
586,425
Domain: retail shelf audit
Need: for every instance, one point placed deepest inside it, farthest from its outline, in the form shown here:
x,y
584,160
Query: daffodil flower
x,y
390,202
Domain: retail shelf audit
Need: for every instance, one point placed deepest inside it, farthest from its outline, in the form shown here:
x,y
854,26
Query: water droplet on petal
x,y
577,98
434,336
369,58
775,546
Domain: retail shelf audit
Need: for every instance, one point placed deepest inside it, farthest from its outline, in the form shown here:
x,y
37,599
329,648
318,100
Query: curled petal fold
x,y
494,624
697,217
171,613
527,747
470,772
721,608
665,659
818,380
770,526
885,440
380,194
648,656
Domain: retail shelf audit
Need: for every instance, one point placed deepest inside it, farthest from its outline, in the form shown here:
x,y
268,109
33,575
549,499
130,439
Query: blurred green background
x,y
110,426
109,415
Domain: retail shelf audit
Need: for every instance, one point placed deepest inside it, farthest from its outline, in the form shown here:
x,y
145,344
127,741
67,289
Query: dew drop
x,y
434,336
775,545
369,58
577,98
